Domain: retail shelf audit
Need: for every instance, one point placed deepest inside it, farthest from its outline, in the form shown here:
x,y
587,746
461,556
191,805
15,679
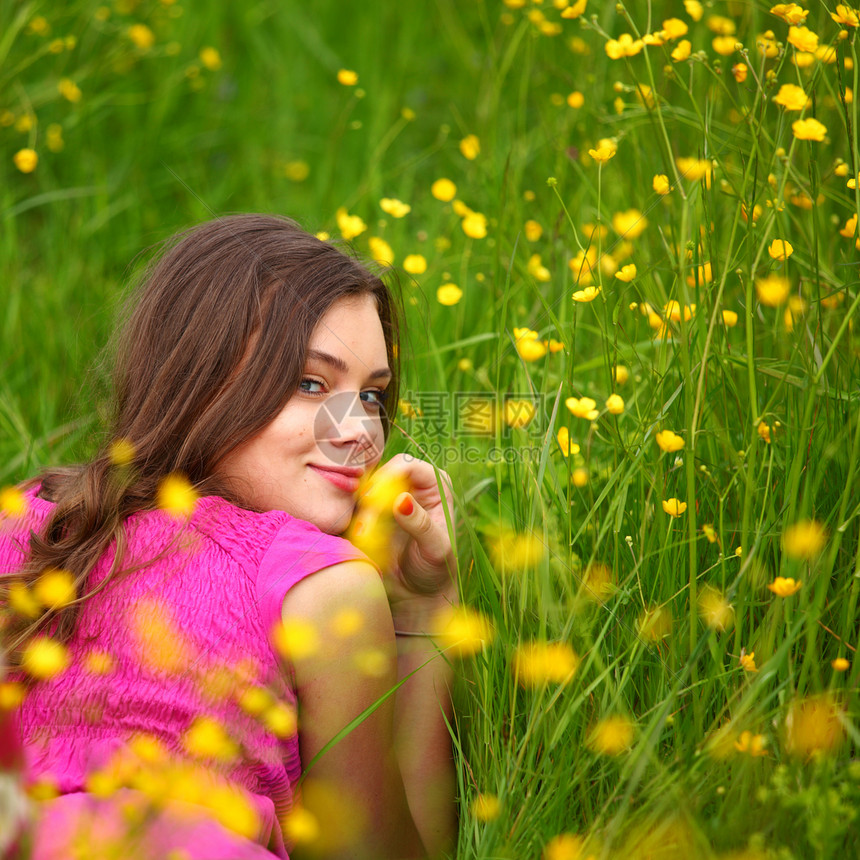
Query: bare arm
x,y
355,789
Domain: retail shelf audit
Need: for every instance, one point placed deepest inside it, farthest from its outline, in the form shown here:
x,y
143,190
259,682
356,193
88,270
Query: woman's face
x,y
309,459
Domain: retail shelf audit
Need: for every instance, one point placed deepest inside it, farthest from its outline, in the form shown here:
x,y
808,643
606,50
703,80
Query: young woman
x,y
257,363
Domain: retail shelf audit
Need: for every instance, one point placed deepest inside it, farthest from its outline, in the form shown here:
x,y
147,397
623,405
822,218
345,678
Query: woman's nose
x,y
344,422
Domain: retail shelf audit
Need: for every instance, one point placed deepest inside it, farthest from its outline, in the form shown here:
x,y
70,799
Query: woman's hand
x,y
424,570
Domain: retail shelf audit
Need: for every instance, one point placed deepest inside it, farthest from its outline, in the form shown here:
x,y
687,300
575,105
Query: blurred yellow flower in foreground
x,y
69,90
629,224
55,588
394,207
730,319
597,582
485,807
784,586
13,503
840,664
809,129
565,846
804,539
176,496
516,550
695,168
444,190
470,147
381,251
674,507
207,739
415,264
121,452
157,641
26,160
620,374
813,726
714,609
538,663
463,631
615,404
295,639
301,826
655,623
448,294
660,183
772,290
44,658
582,407
669,441
611,736
350,226
533,230
779,249
347,77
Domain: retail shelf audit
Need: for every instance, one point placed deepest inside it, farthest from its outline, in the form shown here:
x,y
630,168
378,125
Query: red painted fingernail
x,y
406,507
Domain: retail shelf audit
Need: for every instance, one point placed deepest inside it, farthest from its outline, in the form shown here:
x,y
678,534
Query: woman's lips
x,y
347,483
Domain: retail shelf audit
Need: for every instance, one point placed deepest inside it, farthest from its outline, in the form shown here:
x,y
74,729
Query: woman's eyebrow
x,y
342,366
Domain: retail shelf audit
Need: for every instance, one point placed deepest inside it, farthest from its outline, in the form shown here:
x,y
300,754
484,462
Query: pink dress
x,y
184,637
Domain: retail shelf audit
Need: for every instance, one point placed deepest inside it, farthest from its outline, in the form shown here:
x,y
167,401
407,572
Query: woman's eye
x,y
375,397
305,384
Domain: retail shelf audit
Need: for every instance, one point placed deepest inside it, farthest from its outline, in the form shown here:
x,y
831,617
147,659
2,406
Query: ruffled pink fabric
x,y
216,586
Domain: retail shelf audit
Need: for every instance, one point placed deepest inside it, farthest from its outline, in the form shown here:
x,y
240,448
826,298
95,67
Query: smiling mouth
x,y
344,479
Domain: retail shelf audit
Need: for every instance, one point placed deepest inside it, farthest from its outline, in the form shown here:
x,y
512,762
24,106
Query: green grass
x,y
158,142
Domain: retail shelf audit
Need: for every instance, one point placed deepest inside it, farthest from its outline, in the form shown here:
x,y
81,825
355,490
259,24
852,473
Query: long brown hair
x,y
212,350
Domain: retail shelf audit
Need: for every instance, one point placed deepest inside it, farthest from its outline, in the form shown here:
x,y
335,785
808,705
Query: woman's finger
x,y
418,524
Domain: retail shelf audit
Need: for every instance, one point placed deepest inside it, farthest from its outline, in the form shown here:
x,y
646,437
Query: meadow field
x,y
626,239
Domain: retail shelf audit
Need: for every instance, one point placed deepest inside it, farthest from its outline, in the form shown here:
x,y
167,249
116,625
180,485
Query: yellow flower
x,y
519,413
620,374
121,452
394,207
589,294
844,14
813,725
55,588
784,586
674,28
211,58
448,294
350,226
574,10
694,9
538,663
791,97
69,90
142,36
714,609
809,129
582,407
654,624
840,664
565,846
660,183
739,72
579,477
611,736
530,349
730,319
624,46
347,77
380,250
747,742
415,264
779,249
470,147
606,149
669,441
674,507
485,807
772,290
598,582
567,447
748,662
626,273
802,38
721,25
12,694
444,190
176,496
791,13
576,99
709,533
44,658
510,549
295,639
682,51
13,503
26,160
533,231
695,168
462,631
763,431
207,739
615,404
537,270
629,224
301,826
474,225
725,46
804,539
